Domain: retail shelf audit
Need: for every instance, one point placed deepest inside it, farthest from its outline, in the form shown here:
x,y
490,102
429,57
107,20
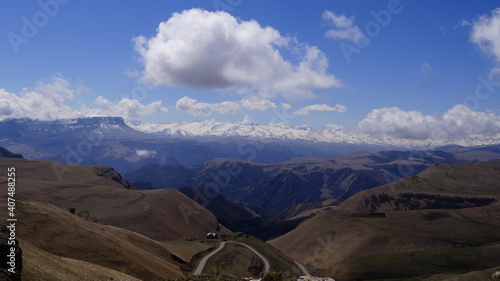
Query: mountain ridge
x,y
110,141
276,186
280,131
387,242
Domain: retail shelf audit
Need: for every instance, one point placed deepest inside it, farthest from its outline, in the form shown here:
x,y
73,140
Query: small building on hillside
x,y
212,235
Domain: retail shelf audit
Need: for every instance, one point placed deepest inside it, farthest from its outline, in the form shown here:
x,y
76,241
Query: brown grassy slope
x,y
95,193
278,260
40,265
326,240
445,179
62,234
186,250
480,179
470,276
467,263
235,260
306,209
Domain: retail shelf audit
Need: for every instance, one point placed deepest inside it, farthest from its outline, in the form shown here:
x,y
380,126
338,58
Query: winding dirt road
x,y
303,269
203,262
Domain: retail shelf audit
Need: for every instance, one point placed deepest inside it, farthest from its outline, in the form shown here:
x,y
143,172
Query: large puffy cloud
x,y
193,107
214,50
458,122
396,122
320,107
486,34
343,28
461,121
47,101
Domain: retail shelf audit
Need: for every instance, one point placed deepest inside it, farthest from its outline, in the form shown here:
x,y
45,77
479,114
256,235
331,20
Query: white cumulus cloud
x,y
343,28
286,106
458,122
214,50
47,101
320,107
44,102
193,107
486,34
399,123
127,108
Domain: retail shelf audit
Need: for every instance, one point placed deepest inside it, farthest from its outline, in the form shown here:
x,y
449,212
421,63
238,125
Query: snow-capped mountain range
x,y
333,134
279,131
127,145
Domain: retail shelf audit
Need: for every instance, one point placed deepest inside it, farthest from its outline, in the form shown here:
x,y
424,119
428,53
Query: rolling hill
x,y
49,235
99,194
441,184
87,223
369,237
444,220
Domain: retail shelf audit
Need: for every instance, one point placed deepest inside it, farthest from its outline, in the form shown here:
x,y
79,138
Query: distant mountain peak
x,y
247,121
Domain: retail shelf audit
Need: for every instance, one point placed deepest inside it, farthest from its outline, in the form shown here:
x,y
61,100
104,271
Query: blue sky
x,y
417,65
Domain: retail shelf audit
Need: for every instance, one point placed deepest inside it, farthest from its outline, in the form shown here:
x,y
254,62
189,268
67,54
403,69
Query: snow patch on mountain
x,y
331,133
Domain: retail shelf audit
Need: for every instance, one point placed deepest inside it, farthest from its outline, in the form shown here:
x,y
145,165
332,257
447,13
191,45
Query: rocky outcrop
x,y
108,172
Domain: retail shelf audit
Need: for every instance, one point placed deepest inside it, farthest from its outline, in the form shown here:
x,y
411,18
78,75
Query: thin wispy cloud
x,y
443,30
320,107
193,107
286,106
343,28
462,23
426,68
